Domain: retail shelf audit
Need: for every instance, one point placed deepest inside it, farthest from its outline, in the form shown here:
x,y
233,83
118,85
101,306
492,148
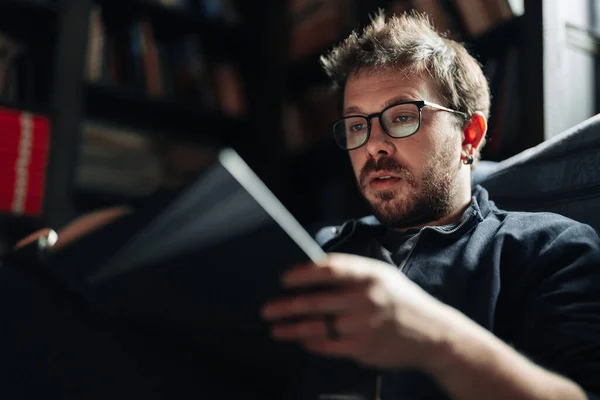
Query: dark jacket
x,y
533,279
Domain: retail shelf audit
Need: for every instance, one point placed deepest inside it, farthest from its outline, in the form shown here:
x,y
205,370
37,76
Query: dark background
x,y
246,74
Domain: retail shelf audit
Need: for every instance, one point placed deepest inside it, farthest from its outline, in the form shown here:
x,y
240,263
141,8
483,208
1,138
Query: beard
x,y
428,200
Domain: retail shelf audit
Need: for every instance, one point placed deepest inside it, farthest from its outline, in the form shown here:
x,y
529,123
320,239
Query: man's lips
x,y
383,181
382,175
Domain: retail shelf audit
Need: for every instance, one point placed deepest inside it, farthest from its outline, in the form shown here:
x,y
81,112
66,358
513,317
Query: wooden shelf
x,y
177,16
32,108
176,21
160,115
29,21
494,42
48,7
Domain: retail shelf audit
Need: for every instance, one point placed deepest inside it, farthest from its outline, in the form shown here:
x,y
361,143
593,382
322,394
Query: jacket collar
x,y
356,234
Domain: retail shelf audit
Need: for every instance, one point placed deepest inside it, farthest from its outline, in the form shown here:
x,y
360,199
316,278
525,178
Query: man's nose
x,y
379,142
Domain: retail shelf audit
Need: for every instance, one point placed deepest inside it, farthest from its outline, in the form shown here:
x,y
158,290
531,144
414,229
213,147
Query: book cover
x,y
207,258
194,266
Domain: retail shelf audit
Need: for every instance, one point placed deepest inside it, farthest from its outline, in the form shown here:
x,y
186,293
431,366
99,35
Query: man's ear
x,y
475,130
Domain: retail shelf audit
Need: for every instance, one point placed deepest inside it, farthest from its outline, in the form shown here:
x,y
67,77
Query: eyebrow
x,y
352,110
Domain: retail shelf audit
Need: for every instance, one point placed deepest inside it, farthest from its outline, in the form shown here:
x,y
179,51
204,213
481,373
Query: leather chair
x,y
560,175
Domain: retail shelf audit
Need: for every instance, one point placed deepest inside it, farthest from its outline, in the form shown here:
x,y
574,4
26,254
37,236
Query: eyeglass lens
x,y
399,121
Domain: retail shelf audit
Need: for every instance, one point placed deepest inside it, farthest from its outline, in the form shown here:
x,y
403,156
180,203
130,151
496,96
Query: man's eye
x,y
357,127
403,118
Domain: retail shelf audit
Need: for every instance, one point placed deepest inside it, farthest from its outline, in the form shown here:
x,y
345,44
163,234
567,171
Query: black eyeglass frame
x,y
419,103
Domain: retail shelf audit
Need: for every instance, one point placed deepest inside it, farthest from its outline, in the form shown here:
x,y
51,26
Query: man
x,y
442,293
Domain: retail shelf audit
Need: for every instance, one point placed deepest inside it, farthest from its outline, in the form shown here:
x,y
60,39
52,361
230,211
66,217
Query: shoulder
x,y
526,225
535,226
543,242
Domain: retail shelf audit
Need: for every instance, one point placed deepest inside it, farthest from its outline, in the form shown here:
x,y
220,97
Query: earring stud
x,y
469,160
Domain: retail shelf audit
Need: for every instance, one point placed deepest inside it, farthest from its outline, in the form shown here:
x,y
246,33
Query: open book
x,y
164,303
196,265
226,206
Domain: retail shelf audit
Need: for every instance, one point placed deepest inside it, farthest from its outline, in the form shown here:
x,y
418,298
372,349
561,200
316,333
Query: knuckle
x,y
370,300
309,328
314,302
375,296
328,271
302,328
358,350
295,304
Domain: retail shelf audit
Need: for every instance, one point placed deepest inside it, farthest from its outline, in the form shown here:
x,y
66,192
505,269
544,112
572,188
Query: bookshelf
x,y
106,102
18,16
268,55
54,37
496,40
177,21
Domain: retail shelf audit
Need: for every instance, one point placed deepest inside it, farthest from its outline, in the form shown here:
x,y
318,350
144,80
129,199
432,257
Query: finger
x,y
345,325
303,330
356,323
343,347
336,269
331,302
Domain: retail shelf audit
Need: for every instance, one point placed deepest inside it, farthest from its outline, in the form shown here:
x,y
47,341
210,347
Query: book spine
x,y
23,159
95,48
9,52
154,83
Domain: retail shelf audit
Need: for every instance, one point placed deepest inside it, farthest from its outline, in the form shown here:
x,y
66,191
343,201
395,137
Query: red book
x,y
24,145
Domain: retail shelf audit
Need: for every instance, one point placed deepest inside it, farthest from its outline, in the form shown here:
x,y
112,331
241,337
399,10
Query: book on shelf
x,y
220,10
190,70
224,10
23,159
116,160
172,3
183,5
505,112
317,24
131,55
125,161
9,53
292,125
149,55
182,160
307,118
453,17
443,19
480,16
500,10
95,47
229,89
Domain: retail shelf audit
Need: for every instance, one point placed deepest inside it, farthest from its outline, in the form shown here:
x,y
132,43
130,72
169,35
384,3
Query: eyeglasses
x,y
398,121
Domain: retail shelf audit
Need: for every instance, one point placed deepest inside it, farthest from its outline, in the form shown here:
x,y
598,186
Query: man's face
x,y
423,167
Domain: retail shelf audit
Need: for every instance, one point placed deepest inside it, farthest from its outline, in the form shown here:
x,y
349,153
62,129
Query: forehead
x,y
369,87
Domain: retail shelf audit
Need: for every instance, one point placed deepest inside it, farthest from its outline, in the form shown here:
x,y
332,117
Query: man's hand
x,y
384,320
381,317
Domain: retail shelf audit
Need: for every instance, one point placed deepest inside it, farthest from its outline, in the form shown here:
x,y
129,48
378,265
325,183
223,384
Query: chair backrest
x,y
560,175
